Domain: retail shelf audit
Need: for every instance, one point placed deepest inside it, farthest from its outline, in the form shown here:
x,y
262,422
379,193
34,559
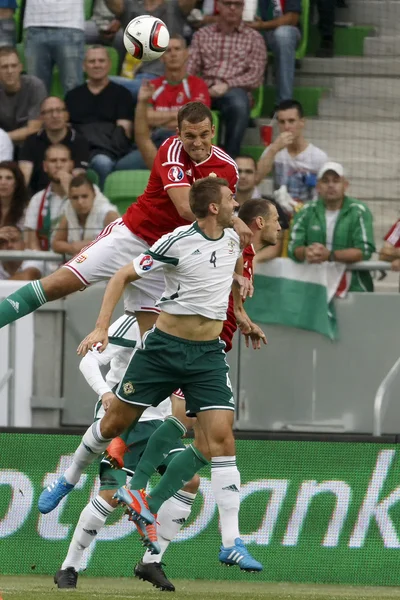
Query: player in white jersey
x,y
124,337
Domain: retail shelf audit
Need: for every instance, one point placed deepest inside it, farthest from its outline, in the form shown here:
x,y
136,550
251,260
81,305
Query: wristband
x,y
331,256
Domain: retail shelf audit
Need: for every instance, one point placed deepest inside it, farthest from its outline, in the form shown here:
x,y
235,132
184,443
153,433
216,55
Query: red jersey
x,y
154,214
393,235
230,326
172,96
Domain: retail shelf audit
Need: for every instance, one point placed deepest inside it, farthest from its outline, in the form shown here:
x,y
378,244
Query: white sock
x,y
225,484
92,445
171,518
92,519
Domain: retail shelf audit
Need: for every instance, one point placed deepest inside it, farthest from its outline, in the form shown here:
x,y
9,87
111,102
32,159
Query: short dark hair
x,y
288,104
194,112
248,157
57,147
256,207
204,192
178,36
81,179
8,50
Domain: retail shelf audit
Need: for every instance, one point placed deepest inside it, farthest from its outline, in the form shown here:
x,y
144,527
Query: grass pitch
x,y
43,588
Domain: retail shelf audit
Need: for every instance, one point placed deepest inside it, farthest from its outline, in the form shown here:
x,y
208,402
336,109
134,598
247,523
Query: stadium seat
x,y
304,25
254,151
215,115
88,9
123,187
92,176
258,98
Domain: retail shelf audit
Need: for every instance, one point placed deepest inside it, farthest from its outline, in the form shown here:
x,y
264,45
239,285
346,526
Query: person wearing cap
x,y
335,228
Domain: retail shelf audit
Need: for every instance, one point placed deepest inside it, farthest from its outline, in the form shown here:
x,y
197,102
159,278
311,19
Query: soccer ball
x,y
146,38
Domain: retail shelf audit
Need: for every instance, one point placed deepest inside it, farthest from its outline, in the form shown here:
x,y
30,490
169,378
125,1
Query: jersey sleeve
x,y
163,252
393,235
170,165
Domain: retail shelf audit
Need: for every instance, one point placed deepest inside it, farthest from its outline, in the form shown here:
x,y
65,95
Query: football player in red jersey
x,y
164,206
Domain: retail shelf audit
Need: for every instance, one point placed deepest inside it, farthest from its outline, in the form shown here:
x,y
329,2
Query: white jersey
x,y
198,270
124,338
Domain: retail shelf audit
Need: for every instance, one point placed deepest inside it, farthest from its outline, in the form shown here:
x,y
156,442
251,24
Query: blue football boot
x,y
239,555
51,496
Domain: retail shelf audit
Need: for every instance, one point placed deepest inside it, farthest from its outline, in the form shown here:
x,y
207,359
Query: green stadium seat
x,y
123,187
88,9
215,115
92,176
254,151
304,24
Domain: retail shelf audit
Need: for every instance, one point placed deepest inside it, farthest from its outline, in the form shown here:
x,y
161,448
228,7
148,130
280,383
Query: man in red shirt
x,y
164,206
171,91
390,250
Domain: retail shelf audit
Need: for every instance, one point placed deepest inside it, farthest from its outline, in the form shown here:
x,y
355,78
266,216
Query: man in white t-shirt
x,y
6,146
45,208
11,238
55,34
294,160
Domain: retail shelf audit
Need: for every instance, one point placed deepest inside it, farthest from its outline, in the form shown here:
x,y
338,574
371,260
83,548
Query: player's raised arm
x,y
112,295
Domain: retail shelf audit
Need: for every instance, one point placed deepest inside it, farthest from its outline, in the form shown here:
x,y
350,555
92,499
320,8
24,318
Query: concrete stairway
x,y
358,121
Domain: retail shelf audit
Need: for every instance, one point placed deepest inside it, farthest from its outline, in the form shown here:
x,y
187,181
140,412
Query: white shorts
x,y
115,247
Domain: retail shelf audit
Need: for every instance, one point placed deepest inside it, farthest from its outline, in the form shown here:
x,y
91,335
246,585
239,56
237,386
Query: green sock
x,y
159,444
21,303
179,471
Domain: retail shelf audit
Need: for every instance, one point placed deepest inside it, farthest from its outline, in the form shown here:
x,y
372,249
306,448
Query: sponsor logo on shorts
x,y
146,263
81,258
175,174
231,488
128,388
232,401
91,532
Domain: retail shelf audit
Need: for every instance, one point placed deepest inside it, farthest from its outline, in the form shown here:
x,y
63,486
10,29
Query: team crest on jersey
x,y
180,98
128,388
212,174
175,174
81,258
231,246
146,263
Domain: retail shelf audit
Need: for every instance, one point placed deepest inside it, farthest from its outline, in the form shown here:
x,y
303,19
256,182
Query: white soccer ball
x,y
146,38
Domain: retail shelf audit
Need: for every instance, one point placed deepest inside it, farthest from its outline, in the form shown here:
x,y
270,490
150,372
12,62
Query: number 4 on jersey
x,y
213,259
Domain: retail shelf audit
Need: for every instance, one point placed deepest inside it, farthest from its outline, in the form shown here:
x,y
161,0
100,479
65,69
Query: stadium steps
x,y
348,40
388,45
384,15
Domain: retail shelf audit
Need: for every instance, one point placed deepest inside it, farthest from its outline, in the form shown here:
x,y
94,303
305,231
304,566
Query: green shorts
x,y
111,479
167,363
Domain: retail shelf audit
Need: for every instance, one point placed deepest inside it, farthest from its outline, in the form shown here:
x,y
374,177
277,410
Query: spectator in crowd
x,y
55,130
7,23
279,23
20,97
103,112
54,35
334,228
174,14
13,195
104,28
231,57
45,207
171,92
85,214
390,250
247,190
326,23
11,238
6,146
294,160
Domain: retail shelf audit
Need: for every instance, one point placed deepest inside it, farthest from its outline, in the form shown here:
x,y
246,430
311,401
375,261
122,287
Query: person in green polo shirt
x,y
335,227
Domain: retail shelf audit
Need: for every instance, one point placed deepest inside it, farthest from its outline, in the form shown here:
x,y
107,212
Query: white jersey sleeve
x,y
124,337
